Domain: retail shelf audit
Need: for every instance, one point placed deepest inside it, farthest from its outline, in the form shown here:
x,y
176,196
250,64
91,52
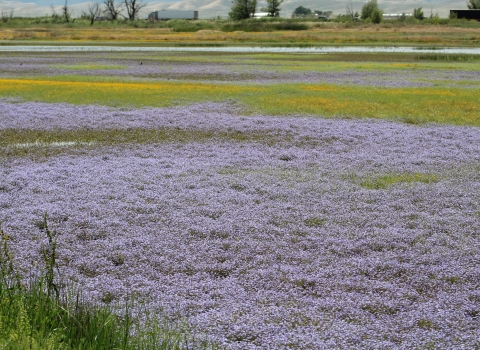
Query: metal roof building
x,y
465,14
165,15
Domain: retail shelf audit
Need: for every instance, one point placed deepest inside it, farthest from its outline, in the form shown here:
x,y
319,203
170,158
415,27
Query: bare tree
x,y
350,12
133,8
6,16
112,10
66,12
55,15
94,11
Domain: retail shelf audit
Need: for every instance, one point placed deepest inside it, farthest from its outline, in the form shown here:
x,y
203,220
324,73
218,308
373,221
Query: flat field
x,y
454,33
268,200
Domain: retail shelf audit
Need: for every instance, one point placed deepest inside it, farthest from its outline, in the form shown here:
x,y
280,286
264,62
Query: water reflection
x,y
246,49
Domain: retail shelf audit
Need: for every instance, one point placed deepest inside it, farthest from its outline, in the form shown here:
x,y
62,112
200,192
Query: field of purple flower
x,y
243,68
268,233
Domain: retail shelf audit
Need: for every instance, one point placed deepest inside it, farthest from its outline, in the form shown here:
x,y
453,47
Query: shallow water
x,y
247,49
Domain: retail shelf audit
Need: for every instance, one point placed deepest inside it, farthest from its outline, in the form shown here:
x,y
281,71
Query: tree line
x,y
244,9
241,9
473,4
108,9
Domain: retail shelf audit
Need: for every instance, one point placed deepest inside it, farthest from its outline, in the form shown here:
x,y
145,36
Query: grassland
x,y
256,32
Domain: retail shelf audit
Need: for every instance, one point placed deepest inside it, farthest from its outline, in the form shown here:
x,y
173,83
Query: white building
x,y
396,15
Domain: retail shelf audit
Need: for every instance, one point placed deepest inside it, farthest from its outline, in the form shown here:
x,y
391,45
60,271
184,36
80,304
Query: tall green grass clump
x,y
182,26
264,25
385,181
448,58
463,23
39,314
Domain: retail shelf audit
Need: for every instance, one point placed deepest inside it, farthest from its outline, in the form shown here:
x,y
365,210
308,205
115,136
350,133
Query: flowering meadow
x,y
408,89
259,231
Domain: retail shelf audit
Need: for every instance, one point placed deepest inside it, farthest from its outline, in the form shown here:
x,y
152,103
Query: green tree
x,y
301,11
243,9
473,4
368,9
376,16
273,7
418,13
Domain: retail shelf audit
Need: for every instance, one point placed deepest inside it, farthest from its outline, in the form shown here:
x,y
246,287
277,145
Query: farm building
x,y
396,15
465,14
165,15
260,14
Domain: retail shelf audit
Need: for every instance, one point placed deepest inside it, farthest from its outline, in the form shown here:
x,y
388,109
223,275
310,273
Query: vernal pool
x,y
249,49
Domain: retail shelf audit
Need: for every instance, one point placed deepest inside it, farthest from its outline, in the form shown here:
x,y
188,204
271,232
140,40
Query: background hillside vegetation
x,y
247,24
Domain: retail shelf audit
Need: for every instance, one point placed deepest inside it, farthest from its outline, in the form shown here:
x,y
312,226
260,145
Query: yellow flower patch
x,y
118,93
413,105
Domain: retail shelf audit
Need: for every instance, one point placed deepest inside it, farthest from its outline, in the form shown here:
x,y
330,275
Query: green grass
x,y
44,143
49,21
39,144
448,58
385,181
184,26
40,315
331,62
88,66
255,25
264,32
271,31
315,222
452,105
